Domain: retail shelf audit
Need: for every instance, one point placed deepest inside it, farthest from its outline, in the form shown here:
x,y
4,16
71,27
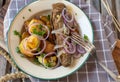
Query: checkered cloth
x,y
104,39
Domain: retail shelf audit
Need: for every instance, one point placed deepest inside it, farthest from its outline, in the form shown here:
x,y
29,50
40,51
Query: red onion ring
x,y
34,24
25,44
50,54
72,29
70,45
77,55
48,33
66,21
65,18
44,42
80,49
30,26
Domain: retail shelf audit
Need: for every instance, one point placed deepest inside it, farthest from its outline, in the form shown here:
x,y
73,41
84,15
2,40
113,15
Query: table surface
x,y
5,66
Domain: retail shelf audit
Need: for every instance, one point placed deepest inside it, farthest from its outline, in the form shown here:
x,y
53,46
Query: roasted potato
x,y
45,20
25,35
36,21
23,51
49,47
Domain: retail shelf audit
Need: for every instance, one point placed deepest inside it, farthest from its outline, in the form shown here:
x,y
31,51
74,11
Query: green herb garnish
x,y
41,33
17,33
38,49
40,26
36,61
48,65
29,10
42,55
86,37
18,50
48,17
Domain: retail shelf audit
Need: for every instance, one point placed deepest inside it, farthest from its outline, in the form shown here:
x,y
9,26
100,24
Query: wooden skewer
x,y
112,13
115,21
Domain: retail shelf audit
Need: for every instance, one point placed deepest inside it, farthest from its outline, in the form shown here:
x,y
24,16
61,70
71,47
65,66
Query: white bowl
x,y
24,64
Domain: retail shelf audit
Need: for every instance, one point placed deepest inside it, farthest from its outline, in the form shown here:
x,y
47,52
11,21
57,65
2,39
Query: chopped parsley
x,y
38,49
29,10
48,65
17,33
86,37
36,61
48,17
40,26
41,33
18,50
42,55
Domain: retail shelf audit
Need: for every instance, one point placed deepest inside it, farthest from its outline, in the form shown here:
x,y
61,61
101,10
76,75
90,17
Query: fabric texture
x,y
104,40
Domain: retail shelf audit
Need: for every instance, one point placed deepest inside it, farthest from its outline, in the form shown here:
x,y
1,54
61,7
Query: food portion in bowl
x,y
47,38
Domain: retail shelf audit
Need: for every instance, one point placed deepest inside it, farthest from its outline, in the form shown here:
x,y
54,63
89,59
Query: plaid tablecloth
x,y
104,39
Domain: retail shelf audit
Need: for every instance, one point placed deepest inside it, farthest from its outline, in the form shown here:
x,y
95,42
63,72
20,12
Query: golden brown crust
x,y
49,47
116,55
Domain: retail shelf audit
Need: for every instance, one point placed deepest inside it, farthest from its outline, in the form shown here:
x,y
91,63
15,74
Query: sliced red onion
x,y
34,24
30,51
31,25
66,17
80,49
77,55
71,48
44,42
25,44
66,21
67,25
48,31
50,54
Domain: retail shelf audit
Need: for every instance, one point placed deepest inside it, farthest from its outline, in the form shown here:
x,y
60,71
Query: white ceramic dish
x,y
35,70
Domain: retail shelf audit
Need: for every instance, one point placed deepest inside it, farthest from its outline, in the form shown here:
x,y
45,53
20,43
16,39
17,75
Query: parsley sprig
x,y
40,26
41,33
48,17
17,33
86,37
18,50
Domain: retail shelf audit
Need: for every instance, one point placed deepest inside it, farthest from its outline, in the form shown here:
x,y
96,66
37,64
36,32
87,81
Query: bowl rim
x,y
40,77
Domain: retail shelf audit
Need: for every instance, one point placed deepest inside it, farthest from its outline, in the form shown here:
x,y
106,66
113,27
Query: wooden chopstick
x,y
112,14
115,21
